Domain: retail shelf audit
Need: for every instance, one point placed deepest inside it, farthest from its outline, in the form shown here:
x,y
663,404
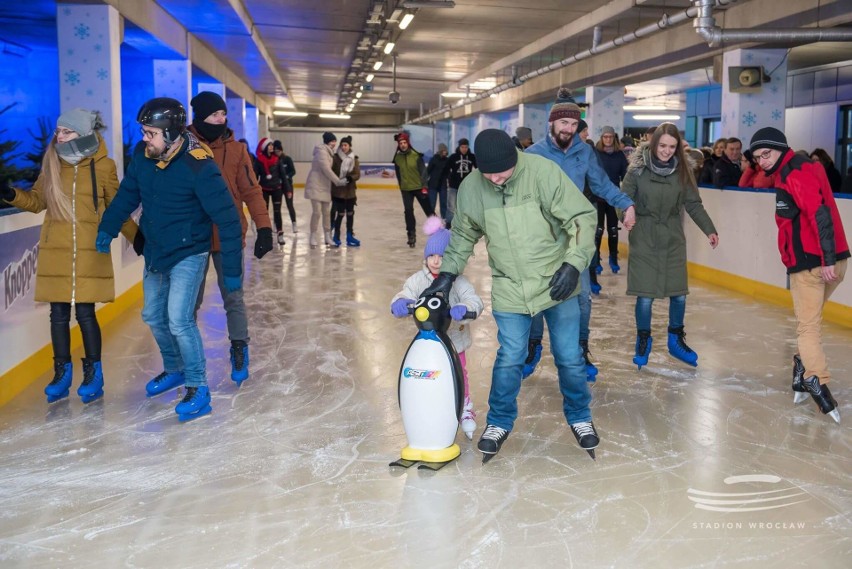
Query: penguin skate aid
x,y
447,316
432,386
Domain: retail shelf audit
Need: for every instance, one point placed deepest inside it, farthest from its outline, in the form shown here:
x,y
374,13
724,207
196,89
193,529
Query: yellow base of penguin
x,y
440,455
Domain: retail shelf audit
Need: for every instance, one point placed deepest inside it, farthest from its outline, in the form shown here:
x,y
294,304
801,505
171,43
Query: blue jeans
x,y
439,193
585,300
169,311
513,330
677,311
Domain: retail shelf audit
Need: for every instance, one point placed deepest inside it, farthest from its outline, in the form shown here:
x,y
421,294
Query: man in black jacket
x,y
726,171
437,180
461,163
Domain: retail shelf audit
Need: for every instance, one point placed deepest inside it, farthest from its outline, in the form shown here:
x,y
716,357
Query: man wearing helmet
x,y
182,193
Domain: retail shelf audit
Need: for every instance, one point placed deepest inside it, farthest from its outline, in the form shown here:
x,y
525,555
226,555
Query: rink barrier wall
x,y
23,374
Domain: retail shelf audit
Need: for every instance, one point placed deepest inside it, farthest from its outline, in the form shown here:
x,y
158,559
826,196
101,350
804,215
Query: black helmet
x,y
165,113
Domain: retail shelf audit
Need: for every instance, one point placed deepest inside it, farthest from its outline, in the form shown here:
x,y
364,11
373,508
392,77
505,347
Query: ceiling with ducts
x,y
320,56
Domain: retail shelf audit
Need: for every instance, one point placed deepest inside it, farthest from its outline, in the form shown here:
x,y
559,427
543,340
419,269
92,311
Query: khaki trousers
x,y
810,293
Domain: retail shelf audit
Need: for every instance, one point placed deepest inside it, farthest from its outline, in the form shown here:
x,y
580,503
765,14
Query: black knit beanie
x,y
206,103
464,142
276,145
768,137
495,151
328,137
347,140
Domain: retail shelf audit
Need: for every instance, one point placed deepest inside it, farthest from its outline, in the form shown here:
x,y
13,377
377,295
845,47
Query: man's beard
x,y
563,144
153,152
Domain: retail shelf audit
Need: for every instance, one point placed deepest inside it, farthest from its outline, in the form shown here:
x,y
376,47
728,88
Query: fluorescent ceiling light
x,y
451,95
377,66
289,114
284,102
656,117
333,116
428,4
370,78
358,95
405,21
644,107
493,95
389,47
483,84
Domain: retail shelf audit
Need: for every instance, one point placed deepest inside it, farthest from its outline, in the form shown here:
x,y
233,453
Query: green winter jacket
x,y
410,170
534,223
657,260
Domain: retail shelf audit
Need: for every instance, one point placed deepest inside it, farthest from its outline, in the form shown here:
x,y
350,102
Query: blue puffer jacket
x,y
581,164
181,200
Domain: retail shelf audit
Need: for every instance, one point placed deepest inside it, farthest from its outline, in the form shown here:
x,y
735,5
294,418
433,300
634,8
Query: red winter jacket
x,y
810,233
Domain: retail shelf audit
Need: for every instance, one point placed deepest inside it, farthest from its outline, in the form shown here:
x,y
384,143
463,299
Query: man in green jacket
x,y
411,176
540,235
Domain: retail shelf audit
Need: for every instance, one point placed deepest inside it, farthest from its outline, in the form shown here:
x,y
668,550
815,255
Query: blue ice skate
x,y
678,347
61,383
644,342
195,404
165,382
533,357
92,387
239,361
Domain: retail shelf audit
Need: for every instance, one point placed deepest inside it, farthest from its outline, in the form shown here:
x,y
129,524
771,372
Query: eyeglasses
x,y
149,134
63,132
763,155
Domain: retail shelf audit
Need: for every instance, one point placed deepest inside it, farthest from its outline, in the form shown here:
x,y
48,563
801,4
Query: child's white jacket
x,y
461,293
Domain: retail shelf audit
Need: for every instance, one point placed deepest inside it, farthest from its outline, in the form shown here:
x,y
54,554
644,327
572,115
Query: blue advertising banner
x,y
18,263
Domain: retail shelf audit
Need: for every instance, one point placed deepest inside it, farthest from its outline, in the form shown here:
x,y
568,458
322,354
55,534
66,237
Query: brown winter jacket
x,y
69,267
346,192
233,160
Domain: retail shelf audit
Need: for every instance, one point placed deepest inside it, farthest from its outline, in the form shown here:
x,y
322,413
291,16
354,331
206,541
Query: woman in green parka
x,y
76,184
661,184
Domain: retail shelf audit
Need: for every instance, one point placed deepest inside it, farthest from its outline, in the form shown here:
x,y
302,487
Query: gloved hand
x,y
564,282
458,311
348,179
442,283
102,242
7,192
263,244
399,307
233,284
139,242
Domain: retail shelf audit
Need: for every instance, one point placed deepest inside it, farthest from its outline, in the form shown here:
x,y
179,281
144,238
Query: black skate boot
x,y
491,441
412,240
824,400
801,394
586,436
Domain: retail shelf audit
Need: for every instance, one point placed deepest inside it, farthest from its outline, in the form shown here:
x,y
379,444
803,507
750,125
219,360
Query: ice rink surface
x,y
697,468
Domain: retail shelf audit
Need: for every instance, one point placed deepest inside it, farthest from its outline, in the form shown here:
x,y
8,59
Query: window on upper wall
x,y
845,141
712,131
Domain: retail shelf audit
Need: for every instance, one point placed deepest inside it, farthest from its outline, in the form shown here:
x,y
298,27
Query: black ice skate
x,y
800,393
824,400
586,436
491,441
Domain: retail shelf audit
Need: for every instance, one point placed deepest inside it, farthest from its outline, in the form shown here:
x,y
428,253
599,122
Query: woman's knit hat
x,y
346,140
439,237
328,137
81,121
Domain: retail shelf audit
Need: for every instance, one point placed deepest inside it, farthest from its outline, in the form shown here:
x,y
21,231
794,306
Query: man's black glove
x,y
442,283
348,179
263,245
139,242
7,192
564,282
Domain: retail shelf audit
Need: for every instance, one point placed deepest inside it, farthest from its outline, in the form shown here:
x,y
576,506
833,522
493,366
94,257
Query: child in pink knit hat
x,y
463,298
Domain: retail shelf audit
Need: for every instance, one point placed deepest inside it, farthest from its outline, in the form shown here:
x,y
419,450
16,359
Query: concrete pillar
x,y
173,78
442,134
89,37
533,117
744,113
250,126
606,108
262,126
236,116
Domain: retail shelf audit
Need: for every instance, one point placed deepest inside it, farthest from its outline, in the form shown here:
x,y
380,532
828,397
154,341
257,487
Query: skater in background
x,y
539,232
182,193
76,184
318,188
210,125
287,170
411,177
460,164
269,176
660,181
814,249
347,167
463,298
436,179
614,163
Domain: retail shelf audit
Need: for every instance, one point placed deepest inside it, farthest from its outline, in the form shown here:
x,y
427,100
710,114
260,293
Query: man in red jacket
x,y
813,248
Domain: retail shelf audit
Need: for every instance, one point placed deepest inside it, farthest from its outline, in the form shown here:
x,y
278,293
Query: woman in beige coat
x,y
318,187
76,184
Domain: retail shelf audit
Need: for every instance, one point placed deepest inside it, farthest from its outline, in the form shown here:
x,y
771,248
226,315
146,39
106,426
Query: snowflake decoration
x,y
98,47
72,77
102,73
67,11
774,88
69,51
81,31
609,103
749,56
89,92
161,72
749,119
776,115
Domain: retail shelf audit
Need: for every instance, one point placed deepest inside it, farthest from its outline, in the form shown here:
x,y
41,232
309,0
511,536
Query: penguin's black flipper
x,y
433,466
403,463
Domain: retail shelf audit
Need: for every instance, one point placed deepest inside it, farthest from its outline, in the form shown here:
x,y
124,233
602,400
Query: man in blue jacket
x,y
183,194
577,159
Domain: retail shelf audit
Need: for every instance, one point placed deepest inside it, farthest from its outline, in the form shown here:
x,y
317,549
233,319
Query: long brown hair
x,y
683,170
57,201
615,143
